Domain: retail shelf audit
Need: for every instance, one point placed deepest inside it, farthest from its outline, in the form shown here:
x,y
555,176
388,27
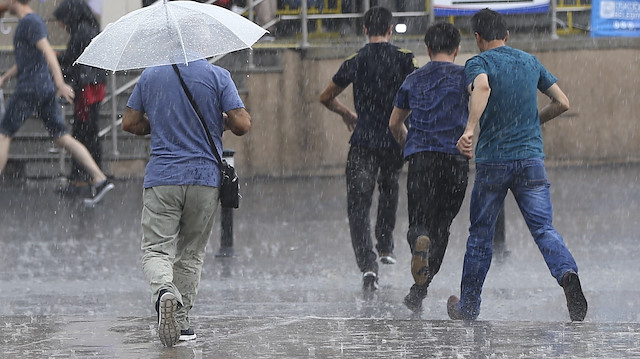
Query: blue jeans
x,y
527,180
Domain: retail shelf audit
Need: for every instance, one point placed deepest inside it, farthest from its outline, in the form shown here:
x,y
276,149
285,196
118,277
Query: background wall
x,y
293,134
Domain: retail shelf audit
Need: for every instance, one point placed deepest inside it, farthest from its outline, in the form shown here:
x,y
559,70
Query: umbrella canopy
x,y
168,33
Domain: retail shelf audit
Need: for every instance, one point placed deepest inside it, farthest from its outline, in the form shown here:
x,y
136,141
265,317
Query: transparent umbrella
x,y
167,33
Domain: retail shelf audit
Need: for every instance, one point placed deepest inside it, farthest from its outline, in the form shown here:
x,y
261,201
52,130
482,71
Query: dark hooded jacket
x,y
83,27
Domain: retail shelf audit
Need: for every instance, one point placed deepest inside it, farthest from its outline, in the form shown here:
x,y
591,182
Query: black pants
x,y
436,186
86,132
365,167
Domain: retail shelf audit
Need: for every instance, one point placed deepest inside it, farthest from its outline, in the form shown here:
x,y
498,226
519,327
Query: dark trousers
x,y
436,185
365,167
85,130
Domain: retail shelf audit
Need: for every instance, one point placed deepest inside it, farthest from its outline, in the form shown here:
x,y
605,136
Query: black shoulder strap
x,y
195,107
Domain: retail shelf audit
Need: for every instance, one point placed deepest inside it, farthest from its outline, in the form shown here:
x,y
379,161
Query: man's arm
x,y
329,100
397,126
238,121
135,122
64,90
9,74
559,104
480,91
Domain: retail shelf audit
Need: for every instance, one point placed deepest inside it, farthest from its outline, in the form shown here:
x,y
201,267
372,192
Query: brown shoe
x,y
452,308
420,260
576,302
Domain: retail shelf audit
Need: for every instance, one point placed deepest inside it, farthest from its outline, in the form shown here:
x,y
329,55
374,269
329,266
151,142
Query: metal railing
x,y
303,15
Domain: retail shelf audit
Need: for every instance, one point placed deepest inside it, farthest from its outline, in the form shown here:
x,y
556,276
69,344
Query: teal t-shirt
x,y
510,125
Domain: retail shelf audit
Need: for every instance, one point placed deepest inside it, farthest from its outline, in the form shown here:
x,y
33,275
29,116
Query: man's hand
x,y
329,100
66,91
350,119
465,144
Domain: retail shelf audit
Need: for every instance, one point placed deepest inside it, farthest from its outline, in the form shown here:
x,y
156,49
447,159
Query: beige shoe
x,y
452,308
420,260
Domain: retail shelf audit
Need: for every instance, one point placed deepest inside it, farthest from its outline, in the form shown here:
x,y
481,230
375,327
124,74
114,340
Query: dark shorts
x,y
24,104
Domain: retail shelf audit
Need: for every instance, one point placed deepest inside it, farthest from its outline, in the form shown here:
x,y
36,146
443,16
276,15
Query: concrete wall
x,y
604,121
293,134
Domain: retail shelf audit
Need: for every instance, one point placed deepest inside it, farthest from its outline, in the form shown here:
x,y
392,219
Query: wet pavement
x,y
72,287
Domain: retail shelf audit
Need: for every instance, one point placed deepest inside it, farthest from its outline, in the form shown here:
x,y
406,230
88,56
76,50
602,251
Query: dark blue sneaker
x,y
187,334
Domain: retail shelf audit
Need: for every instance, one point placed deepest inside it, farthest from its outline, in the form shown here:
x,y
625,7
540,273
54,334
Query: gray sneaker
x,y
97,192
387,258
369,284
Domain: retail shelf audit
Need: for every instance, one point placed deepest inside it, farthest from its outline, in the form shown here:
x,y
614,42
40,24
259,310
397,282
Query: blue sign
x,y
615,18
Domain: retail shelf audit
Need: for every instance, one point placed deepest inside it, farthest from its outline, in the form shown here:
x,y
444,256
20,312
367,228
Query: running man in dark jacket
x,y
376,71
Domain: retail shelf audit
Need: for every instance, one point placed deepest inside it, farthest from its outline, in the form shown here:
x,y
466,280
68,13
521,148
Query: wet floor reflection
x,y
72,287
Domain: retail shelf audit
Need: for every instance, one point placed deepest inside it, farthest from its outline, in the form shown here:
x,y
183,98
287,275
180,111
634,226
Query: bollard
x,y
226,218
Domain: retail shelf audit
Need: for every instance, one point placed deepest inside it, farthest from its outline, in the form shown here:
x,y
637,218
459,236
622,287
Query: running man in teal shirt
x,y
503,83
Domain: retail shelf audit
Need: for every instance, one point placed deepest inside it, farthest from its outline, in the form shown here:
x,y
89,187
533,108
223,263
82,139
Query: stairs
x,y
33,155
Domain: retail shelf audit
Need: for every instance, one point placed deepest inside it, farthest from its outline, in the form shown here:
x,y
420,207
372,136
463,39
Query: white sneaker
x,y
387,258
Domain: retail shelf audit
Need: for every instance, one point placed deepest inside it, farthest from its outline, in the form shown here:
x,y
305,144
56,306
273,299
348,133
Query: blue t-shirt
x,y
376,71
180,151
33,71
437,97
510,125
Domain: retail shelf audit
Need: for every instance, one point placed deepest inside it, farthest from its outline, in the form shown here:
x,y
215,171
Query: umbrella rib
x,y
172,19
147,12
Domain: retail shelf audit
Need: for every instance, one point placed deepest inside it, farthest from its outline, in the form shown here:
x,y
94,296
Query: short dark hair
x,y
442,37
377,20
489,24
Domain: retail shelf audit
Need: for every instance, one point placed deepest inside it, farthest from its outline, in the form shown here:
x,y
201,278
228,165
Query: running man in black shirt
x,y
376,71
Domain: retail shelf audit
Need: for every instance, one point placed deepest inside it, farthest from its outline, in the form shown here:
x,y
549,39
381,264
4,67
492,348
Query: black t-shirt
x,y
376,71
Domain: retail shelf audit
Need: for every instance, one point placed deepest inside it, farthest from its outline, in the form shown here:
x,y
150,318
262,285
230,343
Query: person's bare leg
x,y
82,155
5,142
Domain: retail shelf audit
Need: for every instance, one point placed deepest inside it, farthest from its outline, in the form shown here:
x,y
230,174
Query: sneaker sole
x,y
576,302
420,260
90,202
167,325
187,337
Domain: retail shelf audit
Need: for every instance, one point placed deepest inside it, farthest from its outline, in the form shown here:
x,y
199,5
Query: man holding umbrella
x,y
184,103
182,179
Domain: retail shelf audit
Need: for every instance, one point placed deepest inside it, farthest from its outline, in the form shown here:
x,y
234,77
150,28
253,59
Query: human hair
x,y
442,38
24,2
377,20
489,24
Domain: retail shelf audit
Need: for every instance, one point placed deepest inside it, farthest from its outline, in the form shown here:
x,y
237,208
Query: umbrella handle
x,y
4,29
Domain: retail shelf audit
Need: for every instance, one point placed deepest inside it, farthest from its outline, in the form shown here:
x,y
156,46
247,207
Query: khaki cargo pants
x,y
176,225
